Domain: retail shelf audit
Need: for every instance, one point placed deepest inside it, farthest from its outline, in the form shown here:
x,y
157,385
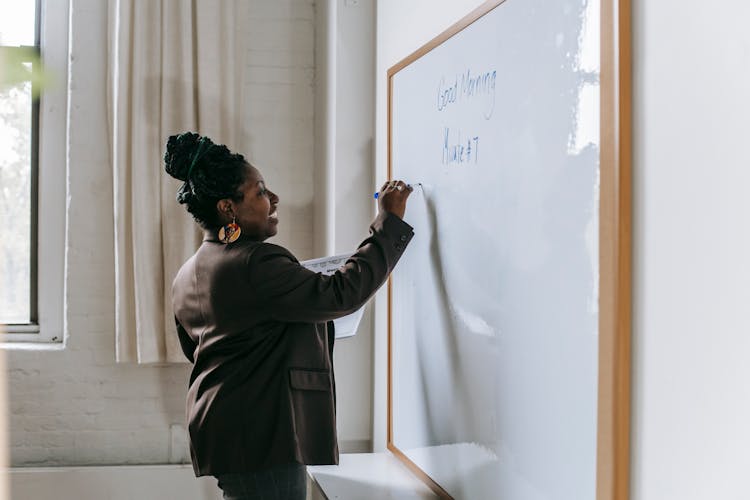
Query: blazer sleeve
x,y
287,291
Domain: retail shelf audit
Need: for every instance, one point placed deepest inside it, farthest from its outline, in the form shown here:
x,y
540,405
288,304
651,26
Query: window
x,y
19,130
32,170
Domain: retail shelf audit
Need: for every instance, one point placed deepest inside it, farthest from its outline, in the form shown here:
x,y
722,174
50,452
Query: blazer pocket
x,y
310,380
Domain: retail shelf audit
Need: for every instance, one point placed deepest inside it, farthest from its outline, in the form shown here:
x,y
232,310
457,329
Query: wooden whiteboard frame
x,y
614,378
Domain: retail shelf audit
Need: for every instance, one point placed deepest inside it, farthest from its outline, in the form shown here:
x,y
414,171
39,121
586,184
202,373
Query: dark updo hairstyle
x,y
210,173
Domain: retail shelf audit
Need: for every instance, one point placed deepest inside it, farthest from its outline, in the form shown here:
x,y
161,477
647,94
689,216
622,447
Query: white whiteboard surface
x,y
494,305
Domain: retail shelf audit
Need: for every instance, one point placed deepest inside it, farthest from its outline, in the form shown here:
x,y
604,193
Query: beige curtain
x,y
175,65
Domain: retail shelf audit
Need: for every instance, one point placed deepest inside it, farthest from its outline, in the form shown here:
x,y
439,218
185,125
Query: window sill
x,y
44,345
29,337
11,329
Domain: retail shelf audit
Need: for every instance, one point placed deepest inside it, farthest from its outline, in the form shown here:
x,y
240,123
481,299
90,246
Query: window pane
x,y
17,22
15,203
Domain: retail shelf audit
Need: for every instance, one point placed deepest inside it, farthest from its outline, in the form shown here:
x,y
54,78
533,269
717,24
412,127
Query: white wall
x,y
691,393
76,406
354,207
344,208
278,91
691,240
141,482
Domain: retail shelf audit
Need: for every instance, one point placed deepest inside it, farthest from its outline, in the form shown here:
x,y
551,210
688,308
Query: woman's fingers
x,y
395,185
388,186
402,186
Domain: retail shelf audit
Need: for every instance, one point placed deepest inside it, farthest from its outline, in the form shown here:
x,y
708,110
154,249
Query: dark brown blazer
x,y
257,327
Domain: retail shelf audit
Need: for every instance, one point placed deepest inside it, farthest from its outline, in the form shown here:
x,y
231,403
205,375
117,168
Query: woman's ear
x,y
224,207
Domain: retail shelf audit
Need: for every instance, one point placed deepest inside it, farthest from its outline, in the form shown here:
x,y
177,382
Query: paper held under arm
x,y
346,326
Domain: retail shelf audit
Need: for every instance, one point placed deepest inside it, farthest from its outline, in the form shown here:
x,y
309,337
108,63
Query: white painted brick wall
x,y
278,125
77,406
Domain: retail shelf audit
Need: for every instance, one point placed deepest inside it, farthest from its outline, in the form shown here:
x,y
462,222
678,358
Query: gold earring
x,y
230,232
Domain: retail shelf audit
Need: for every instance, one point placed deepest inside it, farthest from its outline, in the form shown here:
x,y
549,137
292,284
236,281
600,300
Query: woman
x,y
257,325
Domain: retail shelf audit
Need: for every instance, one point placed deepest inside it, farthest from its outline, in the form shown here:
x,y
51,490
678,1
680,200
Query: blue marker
x,y
377,193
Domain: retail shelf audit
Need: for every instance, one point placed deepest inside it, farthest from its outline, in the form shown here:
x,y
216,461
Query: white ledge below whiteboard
x,y
367,476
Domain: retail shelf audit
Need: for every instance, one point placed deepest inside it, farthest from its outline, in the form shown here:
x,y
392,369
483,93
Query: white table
x,y
366,476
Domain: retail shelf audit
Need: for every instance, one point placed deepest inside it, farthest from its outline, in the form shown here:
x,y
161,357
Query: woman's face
x,y
256,212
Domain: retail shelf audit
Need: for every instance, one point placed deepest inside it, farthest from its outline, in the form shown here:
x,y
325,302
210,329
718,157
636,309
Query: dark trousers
x,y
283,482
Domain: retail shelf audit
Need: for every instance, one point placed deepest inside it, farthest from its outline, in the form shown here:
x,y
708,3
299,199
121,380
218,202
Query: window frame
x,y
48,181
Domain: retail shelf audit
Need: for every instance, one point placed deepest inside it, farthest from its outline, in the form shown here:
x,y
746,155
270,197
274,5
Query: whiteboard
x,y
494,307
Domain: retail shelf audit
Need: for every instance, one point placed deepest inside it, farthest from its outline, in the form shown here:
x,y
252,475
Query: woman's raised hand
x,y
392,197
